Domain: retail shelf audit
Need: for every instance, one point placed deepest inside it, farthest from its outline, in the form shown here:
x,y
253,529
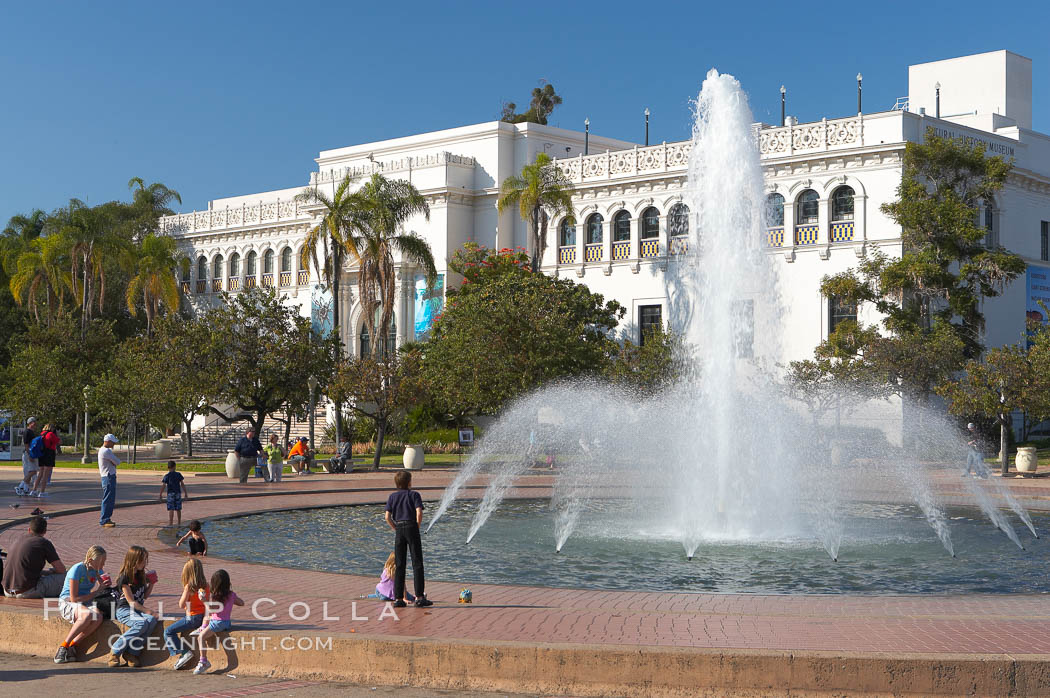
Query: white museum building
x,y
826,181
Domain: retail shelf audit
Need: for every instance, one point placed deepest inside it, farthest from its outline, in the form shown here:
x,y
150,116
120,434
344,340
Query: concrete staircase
x,y
222,438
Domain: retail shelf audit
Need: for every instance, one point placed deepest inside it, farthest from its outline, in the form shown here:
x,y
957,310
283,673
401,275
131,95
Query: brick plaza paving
x,y
1013,625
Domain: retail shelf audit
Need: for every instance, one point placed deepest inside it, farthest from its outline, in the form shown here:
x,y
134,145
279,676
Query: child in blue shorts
x,y
175,484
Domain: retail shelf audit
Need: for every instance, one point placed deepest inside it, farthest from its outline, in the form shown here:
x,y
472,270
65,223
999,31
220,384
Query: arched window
x,y
216,267
391,338
678,220
202,269
650,224
621,226
184,267
251,263
807,206
567,233
235,264
286,259
268,262
775,211
594,228
842,204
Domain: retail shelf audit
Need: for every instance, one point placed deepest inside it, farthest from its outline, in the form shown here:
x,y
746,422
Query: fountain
x,y
722,457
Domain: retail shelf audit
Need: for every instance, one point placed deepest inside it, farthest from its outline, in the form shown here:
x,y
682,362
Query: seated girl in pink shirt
x,y
218,621
385,588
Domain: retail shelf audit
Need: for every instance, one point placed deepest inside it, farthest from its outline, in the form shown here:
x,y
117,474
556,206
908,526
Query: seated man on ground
x,y
24,574
301,456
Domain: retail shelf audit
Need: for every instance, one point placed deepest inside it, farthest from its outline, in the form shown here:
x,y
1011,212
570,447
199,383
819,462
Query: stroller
x,y
343,459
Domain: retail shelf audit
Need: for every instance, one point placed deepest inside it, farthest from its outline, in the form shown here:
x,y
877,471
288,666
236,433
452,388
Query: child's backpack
x,y
36,447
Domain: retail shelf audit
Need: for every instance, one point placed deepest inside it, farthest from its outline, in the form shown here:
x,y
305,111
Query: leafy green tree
x,y
148,203
50,367
387,206
185,385
95,249
20,232
130,393
261,353
543,101
154,263
379,390
652,366
508,330
945,271
539,192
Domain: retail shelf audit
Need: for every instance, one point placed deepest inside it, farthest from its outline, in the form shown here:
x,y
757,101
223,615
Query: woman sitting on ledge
x,y
76,603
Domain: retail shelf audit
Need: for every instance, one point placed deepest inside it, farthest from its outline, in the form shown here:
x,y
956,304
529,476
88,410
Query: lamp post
x,y
586,135
312,383
938,105
647,126
87,395
783,105
859,78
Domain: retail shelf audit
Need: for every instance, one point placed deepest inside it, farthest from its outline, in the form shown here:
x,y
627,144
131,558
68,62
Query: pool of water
x,y
886,549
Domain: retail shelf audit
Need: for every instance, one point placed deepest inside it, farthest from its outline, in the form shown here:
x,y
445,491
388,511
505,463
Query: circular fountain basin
x,y
886,549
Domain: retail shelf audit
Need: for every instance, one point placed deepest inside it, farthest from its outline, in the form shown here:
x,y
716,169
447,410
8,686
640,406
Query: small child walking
x,y
222,597
175,484
198,543
194,595
385,588
404,514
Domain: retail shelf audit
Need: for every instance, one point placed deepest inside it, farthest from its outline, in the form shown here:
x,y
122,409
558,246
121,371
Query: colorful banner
x,y
321,320
429,304
1037,296
6,436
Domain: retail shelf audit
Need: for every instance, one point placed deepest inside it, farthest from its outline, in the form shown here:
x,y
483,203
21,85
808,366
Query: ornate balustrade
x,y
621,250
667,157
185,286
235,217
650,248
592,252
400,165
250,282
806,234
680,244
234,283
202,285
216,285
267,280
304,277
842,231
775,237
567,254
286,278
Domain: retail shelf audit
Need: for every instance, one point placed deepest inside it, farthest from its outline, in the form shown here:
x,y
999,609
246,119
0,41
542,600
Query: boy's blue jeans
x,y
140,625
172,634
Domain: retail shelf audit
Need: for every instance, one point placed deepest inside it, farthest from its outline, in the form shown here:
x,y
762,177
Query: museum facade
x,y
826,182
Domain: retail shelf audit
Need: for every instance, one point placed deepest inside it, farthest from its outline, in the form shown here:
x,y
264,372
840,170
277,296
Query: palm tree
x,y
328,242
41,272
20,231
94,249
539,187
387,205
153,264
148,204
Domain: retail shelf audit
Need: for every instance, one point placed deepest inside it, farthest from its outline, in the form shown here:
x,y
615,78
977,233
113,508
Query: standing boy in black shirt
x,y
404,514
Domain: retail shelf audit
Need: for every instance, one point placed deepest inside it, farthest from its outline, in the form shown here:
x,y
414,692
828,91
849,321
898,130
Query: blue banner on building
x,y
1037,296
321,320
429,304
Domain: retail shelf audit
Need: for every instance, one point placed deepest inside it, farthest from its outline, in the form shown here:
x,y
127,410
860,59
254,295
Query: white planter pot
x,y
233,465
413,458
1026,460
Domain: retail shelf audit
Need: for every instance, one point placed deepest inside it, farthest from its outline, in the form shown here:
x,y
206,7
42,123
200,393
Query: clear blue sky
x,y
222,98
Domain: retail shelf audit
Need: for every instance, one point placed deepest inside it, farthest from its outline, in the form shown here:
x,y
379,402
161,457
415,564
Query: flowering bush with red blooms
x,y
477,263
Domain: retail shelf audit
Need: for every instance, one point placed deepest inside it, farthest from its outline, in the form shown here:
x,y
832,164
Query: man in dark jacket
x,y
24,575
248,450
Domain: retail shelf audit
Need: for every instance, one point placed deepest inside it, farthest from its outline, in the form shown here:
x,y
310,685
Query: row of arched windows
x,y
250,265
807,207
648,228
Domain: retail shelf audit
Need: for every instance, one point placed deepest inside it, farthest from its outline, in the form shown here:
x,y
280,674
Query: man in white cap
x,y
30,465
107,468
974,457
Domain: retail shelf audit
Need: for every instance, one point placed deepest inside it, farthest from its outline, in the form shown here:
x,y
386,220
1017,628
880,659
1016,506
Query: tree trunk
x,y
534,233
1004,458
189,438
287,432
380,435
134,441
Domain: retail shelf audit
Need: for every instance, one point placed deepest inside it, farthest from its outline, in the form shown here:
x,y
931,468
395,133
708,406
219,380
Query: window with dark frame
x,y
567,236
594,228
622,226
650,226
808,207
649,319
775,211
840,311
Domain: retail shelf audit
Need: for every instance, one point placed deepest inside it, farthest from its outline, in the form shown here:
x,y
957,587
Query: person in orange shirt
x,y
300,456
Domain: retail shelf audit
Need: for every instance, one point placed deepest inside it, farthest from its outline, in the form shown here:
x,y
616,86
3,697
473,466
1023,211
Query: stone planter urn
x,y
1026,460
162,449
233,465
413,459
